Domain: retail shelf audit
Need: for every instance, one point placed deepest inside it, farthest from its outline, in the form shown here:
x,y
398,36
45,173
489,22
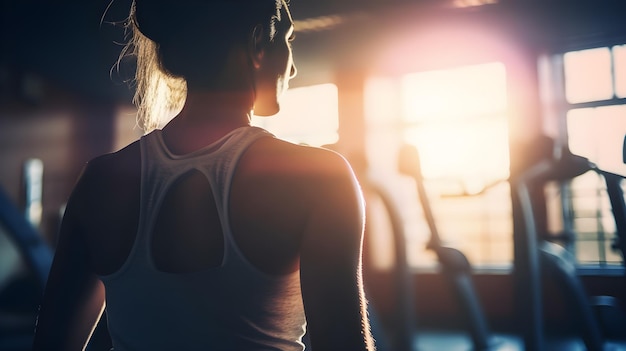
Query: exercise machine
x,y
541,259
454,264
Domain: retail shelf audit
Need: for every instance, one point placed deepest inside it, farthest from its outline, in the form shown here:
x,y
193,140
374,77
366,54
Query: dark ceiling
x,y
74,43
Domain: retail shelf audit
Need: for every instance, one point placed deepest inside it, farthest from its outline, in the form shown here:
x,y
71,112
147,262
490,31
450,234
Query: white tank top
x,y
230,307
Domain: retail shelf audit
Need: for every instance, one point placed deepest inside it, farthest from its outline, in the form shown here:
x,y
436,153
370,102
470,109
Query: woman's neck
x,y
217,107
206,117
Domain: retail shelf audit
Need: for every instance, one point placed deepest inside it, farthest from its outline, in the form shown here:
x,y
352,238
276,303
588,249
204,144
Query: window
x,y
595,88
308,115
457,120
588,68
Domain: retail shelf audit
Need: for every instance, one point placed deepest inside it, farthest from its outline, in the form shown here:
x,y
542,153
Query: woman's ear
x,y
256,45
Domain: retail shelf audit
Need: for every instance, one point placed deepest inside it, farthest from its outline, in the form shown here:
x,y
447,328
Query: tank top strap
x,y
156,174
221,171
160,168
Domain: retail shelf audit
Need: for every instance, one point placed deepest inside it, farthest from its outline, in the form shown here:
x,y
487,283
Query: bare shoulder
x,y
312,174
124,162
299,180
106,178
293,182
296,160
113,167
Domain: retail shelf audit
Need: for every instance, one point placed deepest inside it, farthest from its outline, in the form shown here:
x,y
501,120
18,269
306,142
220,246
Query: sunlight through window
x,y
596,77
597,134
457,118
588,68
475,155
454,94
308,115
460,125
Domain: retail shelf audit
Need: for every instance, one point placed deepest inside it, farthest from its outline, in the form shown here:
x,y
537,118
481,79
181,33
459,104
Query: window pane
x,y
598,134
588,252
473,153
613,256
454,93
619,68
588,75
308,115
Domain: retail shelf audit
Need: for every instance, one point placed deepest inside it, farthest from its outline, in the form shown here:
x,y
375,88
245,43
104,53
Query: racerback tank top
x,y
231,307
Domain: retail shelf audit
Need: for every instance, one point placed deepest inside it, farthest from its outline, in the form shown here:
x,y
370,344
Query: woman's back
x,y
267,209
231,304
273,189
211,250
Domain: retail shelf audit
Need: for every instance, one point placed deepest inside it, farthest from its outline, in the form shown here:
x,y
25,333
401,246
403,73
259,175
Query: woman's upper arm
x,y
330,262
74,296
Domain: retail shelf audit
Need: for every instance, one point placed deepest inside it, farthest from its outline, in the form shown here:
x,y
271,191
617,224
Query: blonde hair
x,y
167,55
158,95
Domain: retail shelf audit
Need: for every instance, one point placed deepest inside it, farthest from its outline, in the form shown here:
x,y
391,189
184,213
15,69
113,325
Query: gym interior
x,y
488,137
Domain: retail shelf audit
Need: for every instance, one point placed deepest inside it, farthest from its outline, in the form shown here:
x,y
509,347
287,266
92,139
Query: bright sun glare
x,y
457,119
308,115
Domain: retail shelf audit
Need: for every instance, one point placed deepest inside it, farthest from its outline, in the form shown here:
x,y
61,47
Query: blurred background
x,y
516,108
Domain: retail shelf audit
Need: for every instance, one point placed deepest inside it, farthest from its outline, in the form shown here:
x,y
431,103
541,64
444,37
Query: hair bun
x,y
161,20
157,18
